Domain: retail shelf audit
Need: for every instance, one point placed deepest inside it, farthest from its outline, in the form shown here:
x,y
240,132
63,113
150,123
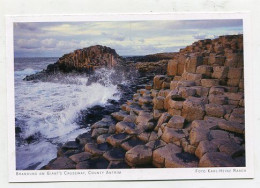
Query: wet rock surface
x,y
191,116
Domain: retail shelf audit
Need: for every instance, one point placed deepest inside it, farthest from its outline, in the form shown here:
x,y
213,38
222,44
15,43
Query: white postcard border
x,y
131,174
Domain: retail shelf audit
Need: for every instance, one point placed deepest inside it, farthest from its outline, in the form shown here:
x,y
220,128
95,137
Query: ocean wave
x,y
25,72
48,111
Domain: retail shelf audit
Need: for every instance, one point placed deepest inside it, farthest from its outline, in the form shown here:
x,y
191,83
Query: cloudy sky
x,y
53,39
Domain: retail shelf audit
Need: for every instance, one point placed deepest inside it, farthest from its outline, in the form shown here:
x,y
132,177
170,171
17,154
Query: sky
x,y
53,39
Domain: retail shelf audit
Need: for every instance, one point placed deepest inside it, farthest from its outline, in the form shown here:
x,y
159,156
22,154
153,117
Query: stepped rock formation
x,y
88,59
82,60
191,117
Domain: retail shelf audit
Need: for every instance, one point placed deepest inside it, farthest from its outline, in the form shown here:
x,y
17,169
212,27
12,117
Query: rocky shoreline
x,y
191,116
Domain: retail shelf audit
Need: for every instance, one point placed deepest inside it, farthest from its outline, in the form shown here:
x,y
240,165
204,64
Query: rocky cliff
x,y
82,60
193,116
87,59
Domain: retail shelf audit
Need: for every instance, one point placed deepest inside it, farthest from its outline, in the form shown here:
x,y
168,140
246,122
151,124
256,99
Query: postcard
x,y
129,97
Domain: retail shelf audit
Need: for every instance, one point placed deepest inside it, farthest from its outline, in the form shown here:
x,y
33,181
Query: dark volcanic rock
x,y
81,60
86,59
151,57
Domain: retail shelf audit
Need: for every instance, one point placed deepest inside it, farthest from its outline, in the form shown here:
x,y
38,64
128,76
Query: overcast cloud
x,y
127,38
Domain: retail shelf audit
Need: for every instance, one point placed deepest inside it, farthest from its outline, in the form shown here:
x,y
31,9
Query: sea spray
x,y
47,111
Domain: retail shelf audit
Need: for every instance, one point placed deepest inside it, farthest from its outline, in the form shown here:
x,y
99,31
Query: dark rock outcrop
x,y
87,59
82,60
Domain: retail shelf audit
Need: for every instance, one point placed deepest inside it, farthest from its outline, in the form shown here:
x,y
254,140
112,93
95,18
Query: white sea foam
x,y
35,155
23,73
49,110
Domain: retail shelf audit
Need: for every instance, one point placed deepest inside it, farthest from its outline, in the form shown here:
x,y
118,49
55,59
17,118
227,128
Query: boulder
x,y
184,83
172,68
100,124
102,138
193,62
83,156
174,112
209,82
205,70
232,126
171,135
163,153
215,110
119,116
181,160
217,90
232,149
201,91
96,149
130,118
197,135
218,99
205,146
173,95
139,155
181,64
96,132
185,92
192,76
144,136
155,144
176,122
220,72
217,159
204,124
144,118
115,154
158,103
164,118
116,139
175,103
84,138
130,143
193,109
236,117
126,127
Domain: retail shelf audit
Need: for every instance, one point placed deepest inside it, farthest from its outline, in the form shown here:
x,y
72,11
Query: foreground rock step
x,y
193,116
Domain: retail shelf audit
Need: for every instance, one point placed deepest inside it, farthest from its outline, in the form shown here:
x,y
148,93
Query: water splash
x,y
48,111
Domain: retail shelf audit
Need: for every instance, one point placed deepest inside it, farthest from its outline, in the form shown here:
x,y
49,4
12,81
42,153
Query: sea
x,y
46,112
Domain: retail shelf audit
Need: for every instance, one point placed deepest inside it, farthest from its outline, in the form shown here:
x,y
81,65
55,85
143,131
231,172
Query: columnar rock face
x,y
191,117
87,59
